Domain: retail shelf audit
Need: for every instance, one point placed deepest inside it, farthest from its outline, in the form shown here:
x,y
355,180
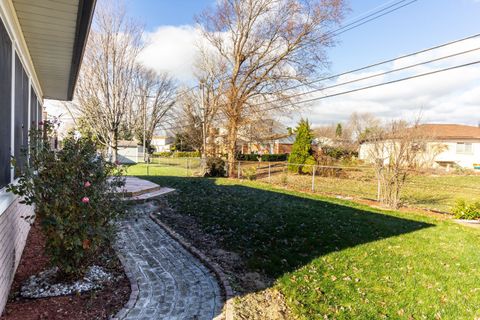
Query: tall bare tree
x,y
154,98
199,107
106,84
267,46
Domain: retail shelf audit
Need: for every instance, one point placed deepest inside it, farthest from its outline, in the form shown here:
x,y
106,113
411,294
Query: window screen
x,y
21,115
5,104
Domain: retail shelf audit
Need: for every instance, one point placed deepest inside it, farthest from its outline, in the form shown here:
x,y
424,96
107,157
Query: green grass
x,y
337,258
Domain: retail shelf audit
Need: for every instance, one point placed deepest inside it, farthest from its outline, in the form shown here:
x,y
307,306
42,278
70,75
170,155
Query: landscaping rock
x,y
43,285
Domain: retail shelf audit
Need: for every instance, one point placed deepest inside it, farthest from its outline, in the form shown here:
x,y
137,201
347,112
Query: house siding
x,y
13,235
449,155
18,85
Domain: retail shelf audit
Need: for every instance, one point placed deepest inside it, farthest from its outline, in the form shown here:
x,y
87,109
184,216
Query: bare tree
x,y
394,149
267,46
360,123
105,89
199,107
154,98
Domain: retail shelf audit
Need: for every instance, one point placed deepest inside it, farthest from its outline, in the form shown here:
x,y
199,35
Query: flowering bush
x,y
74,192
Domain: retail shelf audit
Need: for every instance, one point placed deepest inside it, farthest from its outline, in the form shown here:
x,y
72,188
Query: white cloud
x,y
172,49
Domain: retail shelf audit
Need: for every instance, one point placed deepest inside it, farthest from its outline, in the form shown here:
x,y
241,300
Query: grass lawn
x,y
336,258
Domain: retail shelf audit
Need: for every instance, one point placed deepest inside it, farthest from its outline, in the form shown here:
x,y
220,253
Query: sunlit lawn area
x,y
422,191
337,258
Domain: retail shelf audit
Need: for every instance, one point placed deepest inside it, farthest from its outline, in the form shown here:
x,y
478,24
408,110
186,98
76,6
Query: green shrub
x,y
187,154
275,157
215,167
74,197
163,154
338,152
250,173
264,157
247,157
468,211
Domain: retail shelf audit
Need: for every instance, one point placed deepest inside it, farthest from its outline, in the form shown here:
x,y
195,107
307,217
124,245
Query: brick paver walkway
x,y
172,284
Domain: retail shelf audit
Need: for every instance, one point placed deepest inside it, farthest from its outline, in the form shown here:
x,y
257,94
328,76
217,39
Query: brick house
x,y
41,48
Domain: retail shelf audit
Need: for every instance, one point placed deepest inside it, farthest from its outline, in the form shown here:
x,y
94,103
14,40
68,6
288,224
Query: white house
x,y
41,49
448,145
162,143
129,152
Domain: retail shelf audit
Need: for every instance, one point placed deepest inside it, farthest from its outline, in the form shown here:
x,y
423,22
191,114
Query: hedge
x,y
265,157
178,154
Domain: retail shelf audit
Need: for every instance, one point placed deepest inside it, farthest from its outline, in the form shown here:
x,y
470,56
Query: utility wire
x,y
358,89
367,77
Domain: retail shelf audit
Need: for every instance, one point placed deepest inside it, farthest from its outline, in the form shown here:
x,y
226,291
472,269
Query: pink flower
x,y
40,123
117,162
87,184
85,200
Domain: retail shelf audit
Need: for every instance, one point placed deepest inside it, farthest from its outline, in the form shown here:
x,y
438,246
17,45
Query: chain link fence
x,y
431,190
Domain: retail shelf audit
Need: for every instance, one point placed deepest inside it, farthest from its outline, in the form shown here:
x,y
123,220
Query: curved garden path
x,y
171,282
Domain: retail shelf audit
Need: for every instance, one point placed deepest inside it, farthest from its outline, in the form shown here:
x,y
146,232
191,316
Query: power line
x,y
376,85
385,61
369,77
373,16
359,89
375,75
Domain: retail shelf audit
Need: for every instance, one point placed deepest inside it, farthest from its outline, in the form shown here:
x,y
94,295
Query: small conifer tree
x,y
302,149
339,130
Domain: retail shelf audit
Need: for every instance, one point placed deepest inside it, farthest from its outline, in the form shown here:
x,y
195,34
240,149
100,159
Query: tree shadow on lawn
x,y
275,232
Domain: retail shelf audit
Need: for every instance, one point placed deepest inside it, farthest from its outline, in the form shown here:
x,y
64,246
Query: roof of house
x,y
127,143
55,33
450,131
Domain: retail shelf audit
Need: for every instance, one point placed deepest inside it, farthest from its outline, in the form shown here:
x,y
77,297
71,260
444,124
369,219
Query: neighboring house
x,y
162,143
129,152
266,136
447,145
41,49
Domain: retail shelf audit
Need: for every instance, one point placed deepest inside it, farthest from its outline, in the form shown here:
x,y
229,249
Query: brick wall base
x,y
13,235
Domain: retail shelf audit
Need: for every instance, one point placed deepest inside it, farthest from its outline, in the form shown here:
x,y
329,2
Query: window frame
x,y
464,148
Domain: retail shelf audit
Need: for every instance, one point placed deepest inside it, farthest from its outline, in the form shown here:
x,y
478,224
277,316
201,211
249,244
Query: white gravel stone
x,y
42,285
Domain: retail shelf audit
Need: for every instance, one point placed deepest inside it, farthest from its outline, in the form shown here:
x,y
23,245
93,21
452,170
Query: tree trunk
x,y
231,147
112,146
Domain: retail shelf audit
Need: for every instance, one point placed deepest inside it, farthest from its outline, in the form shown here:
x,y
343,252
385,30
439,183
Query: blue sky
x,y
449,97
420,25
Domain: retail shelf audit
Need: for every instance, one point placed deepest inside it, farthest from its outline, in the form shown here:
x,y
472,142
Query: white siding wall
x,y
450,154
465,160
13,234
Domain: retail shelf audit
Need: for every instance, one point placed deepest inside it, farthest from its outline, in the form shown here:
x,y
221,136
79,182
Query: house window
x,y
464,147
21,115
5,104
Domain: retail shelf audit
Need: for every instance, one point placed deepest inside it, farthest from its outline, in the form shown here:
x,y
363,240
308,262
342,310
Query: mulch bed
x,y
100,304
